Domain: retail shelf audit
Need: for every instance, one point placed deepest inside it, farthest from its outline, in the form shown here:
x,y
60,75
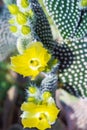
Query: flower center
x,y
34,64
42,116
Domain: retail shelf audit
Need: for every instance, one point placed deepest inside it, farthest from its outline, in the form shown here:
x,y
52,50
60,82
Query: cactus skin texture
x,y
7,40
72,52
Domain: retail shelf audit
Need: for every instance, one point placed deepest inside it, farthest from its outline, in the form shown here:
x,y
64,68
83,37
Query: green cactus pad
x,y
73,67
72,55
81,31
65,14
42,27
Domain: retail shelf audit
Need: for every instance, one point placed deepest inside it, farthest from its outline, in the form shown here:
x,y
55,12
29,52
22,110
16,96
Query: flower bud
x,y
13,29
21,18
13,9
84,3
24,3
26,29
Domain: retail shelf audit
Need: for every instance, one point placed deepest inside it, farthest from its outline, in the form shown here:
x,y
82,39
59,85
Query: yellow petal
x,y
36,122
32,61
53,112
29,122
28,106
43,122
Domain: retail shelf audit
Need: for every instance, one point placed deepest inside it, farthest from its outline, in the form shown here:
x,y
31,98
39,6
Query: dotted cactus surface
x,y
73,67
65,14
69,17
72,54
81,31
42,26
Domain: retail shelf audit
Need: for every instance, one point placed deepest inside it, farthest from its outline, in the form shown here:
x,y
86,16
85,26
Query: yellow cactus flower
x,y
21,18
25,29
13,29
13,9
24,3
84,3
32,61
39,112
38,115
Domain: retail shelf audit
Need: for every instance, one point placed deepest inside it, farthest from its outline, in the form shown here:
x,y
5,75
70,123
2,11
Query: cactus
x,y
7,40
70,19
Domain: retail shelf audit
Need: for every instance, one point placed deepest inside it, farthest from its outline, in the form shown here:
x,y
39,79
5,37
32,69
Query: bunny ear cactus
x,y
42,26
73,71
65,14
70,18
81,30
